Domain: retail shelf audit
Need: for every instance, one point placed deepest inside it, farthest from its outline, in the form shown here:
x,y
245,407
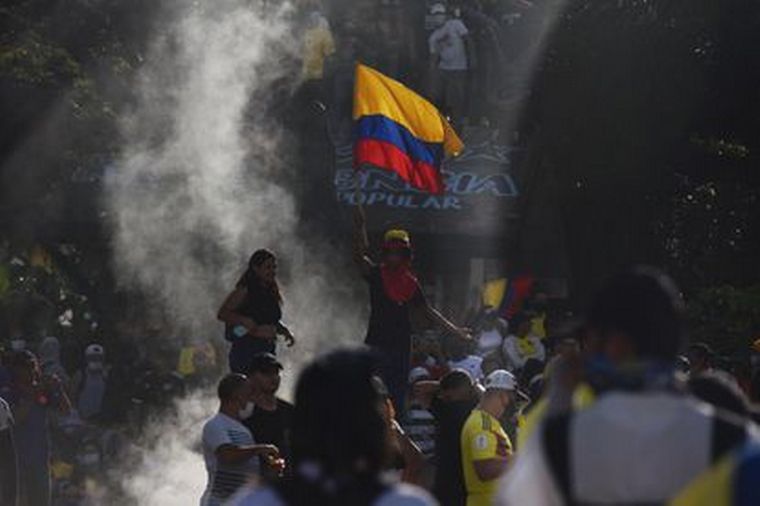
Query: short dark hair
x,y
230,385
262,362
644,304
457,378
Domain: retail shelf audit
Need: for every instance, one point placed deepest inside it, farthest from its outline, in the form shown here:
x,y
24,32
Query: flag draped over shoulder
x,y
398,130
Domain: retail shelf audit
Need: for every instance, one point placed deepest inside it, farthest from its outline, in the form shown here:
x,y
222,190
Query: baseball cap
x,y
397,236
500,380
503,380
263,362
417,374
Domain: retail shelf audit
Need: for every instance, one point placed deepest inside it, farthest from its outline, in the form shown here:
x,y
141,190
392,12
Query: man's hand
x,y
464,334
271,456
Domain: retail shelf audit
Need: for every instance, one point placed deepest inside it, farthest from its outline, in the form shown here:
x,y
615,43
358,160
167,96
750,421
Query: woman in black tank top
x,y
252,312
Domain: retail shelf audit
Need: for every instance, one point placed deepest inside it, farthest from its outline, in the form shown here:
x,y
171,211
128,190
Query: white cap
x,y
417,374
94,349
500,380
438,8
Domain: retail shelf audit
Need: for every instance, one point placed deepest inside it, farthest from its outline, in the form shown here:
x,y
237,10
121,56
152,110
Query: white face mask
x,y
90,459
247,411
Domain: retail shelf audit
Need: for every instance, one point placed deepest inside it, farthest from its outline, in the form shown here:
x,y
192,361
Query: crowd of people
x,y
64,431
464,56
614,407
525,407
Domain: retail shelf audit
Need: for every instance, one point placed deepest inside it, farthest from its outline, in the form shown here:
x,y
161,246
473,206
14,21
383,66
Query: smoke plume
x,y
199,187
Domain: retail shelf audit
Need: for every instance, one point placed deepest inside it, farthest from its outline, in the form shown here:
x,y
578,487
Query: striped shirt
x,y
419,425
225,479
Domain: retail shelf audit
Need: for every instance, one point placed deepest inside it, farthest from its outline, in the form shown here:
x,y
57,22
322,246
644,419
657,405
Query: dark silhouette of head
x,y
338,420
457,385
261,272
637,315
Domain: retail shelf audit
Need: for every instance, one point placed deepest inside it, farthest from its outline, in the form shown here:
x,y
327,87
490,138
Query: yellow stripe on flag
x,y
493,292
376,94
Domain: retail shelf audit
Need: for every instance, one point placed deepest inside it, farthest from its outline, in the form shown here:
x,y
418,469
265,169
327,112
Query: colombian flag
x,y
508,295
398,130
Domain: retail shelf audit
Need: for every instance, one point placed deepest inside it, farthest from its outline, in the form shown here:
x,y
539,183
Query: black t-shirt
x,y
390,326
272,427
450,417
260,304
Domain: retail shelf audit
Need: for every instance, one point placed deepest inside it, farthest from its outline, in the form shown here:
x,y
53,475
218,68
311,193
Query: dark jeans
x,y
394,369
449,89
244,348
34,485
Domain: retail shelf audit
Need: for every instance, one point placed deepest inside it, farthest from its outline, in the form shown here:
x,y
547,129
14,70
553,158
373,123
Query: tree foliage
x,y
647,115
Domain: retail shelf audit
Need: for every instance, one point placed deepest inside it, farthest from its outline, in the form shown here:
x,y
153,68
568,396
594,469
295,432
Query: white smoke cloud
x,y
171,473
196,191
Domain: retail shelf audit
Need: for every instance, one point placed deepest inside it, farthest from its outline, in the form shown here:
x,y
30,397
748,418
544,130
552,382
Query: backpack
x,y
728,432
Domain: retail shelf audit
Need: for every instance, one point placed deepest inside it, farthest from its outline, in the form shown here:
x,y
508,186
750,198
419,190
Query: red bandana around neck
x,y
400,284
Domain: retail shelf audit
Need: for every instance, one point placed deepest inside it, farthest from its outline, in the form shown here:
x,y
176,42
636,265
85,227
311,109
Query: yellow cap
x,y
397,235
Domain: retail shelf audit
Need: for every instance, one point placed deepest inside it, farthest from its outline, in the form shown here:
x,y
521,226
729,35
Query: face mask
x,y
247,411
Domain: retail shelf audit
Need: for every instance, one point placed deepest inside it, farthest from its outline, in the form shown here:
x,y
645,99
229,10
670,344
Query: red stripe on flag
x,y
387,156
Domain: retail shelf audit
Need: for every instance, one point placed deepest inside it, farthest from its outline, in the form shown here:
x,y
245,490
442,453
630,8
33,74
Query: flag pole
x,y
358,194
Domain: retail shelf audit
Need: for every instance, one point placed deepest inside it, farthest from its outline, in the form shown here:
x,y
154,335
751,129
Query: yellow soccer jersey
x,y
483,438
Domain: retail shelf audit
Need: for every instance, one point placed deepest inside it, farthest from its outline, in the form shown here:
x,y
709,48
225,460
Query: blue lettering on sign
x,y
499,185
443,203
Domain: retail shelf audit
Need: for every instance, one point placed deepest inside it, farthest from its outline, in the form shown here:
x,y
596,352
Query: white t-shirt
x,y
632,448
225,479
398,495
517,357
489,340
448,43
473,364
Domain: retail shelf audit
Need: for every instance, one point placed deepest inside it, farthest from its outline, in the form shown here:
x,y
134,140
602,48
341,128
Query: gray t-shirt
x,y
448,42
225,479
399,495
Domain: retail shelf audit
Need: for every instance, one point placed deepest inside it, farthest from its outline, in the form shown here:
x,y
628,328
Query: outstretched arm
x,y
230,454
442,322
361,241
